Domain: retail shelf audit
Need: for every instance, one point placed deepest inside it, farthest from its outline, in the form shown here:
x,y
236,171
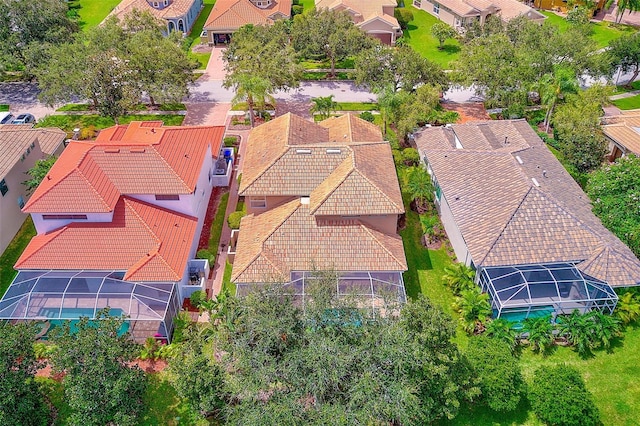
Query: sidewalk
x,y
624,95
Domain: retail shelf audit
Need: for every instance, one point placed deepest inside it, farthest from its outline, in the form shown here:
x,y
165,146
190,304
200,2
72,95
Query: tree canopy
x,y
31,24
402,68
330,34
100,386
614,192
507,60
38,172
114,64
624,53
21,402
335,363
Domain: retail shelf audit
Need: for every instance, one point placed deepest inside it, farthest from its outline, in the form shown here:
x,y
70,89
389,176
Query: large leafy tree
x,y
553,88
27,23
100,386
21,402
559,396
401,68
329,34
624,53
614,192
504,64
114,64
499,372
442,31
335,365
577,128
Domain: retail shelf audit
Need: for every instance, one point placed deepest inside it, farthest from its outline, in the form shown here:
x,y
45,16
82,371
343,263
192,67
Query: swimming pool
x,y
73,315
518,317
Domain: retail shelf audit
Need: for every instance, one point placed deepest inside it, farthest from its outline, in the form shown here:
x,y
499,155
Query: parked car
x,y
24,119
6,117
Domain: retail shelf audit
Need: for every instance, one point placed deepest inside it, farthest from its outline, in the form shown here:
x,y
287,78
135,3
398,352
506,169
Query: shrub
x,y
411,157
206,254
296,9
397,157
44,350
197,297
230,141
234,219
404,16
367,116
88,132
559,397
499,372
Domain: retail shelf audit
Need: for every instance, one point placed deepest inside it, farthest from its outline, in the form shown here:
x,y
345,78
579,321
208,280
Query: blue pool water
x,y
518,317
72,315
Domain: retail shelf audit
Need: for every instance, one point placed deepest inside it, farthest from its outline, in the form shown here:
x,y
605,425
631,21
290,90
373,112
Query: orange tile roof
x,y
175,9
229,15
288,238
135,159
148,242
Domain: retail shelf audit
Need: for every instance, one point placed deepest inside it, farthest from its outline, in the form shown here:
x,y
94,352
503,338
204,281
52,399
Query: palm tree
x,y
474,309
606,328
553,88
254,90
420,188
578,330
623,5
459,277
502,330
540,332
389,102
324,106
628,308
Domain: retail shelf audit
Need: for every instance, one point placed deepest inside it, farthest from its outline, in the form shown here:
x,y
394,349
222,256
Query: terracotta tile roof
x,y
90,177
514,203
16,140
510,9
349,128
289,238
176,8
148,242
229,15
625,132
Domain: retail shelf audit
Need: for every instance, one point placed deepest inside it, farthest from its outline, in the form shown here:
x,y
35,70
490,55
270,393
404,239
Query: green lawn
x,y
69,122
4,108
603,32
162,405
217,224
226,279
624,89
308,5
344,64
203,58
92,12
628,103
357,106
141,107
418,36
13,252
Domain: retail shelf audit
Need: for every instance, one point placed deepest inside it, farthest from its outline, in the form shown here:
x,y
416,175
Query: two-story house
x,y
118,224
320,197
178,15
20,148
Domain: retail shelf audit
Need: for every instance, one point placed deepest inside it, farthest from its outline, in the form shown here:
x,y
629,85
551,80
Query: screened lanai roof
x,y
75,294
556,284
375,289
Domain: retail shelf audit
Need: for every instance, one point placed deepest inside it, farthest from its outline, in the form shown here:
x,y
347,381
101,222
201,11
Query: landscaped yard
x,y
419,37
603,32
92,12
308,5
203,58
612,378
13,252
628,103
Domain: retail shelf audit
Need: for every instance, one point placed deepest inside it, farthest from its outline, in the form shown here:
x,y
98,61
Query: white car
x,y
6,117
24,119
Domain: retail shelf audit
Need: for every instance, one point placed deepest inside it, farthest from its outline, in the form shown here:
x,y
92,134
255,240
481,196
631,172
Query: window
x,y
417,3
155,4
167,197
64,216
3,187
258,202
436,8
166,2
21,201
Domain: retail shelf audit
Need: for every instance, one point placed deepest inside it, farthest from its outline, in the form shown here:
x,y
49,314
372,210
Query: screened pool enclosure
x,y
520,291
55,296
374,289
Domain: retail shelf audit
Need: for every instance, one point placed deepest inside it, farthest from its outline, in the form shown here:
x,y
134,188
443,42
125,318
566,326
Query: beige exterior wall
x,y
388,10
384,223
453,232
11,216
252,203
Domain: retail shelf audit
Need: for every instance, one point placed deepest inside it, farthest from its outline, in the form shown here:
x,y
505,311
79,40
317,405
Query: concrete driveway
x,y
23,97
